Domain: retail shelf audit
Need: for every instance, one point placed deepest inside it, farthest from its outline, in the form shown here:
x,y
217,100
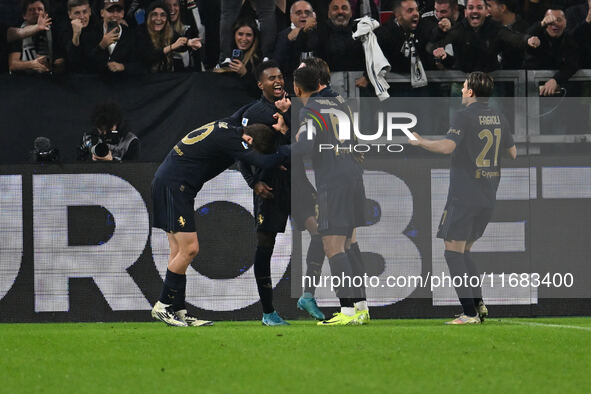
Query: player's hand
x,y
109,38
109,157
548,20
361,82
533,42
444,25
194,43
40,64
280,126
43,22
284,104
440,53
263,190
549,88
588,18
115,67
416,142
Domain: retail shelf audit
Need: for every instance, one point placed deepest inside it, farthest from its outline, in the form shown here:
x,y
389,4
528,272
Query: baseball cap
x,y
112,3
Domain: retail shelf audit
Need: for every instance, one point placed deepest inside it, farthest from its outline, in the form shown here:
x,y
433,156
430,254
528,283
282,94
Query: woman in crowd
x,y
189,60
246,54
158,42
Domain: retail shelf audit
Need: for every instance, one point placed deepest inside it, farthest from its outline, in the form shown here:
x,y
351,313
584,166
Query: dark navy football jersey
x,y
207,151
333,160
482,135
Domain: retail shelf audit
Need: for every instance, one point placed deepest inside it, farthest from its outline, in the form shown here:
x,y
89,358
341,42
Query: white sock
x,y
361,306
347,310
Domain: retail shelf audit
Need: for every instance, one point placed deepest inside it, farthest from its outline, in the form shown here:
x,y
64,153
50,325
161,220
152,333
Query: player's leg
x,y
262,273
340,269
476,291
354,253
314,260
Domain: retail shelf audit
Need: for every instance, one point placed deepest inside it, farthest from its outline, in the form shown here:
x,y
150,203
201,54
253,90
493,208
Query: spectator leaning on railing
x,y
38,53
551,48
505,13
80,37
157,40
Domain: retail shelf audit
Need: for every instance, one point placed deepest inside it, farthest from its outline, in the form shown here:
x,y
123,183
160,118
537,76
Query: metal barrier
x,y
525,85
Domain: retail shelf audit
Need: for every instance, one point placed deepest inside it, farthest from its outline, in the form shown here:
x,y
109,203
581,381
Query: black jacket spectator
x,y
79,59
581,31
391,38
124,52
478,50
338,48
559,53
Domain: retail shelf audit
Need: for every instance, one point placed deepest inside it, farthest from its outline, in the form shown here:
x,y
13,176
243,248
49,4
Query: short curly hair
x,y
106,115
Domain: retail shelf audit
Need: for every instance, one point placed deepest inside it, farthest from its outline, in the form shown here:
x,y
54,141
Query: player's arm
x,y
445,146
265,161
246,171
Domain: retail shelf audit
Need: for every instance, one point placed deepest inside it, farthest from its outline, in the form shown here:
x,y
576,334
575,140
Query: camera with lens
x,y
95,144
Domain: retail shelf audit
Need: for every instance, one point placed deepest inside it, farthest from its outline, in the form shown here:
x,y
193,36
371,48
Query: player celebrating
x,y
475,138
200,156
341,194
272,191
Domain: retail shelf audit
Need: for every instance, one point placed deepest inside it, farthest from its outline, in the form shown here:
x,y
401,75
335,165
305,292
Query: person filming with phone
x,y
114,52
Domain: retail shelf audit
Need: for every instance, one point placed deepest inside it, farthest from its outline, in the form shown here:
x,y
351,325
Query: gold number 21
x,y
480,160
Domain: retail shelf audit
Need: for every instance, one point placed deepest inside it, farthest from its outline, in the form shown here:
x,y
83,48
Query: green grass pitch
x,y
501,356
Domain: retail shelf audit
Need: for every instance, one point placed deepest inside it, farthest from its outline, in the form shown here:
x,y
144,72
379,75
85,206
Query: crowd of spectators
x,y
233,36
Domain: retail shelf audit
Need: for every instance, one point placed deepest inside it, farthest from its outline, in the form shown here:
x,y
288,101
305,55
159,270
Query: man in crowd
x,y
298,41
336,44
80,38
505,13
442,19
114,52
551,48
477,41
38,53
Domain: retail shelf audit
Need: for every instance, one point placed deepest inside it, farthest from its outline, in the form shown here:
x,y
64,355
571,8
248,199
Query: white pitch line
x,y
523,323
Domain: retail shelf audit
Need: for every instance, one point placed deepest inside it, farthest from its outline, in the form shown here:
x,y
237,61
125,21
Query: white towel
x,y
375,62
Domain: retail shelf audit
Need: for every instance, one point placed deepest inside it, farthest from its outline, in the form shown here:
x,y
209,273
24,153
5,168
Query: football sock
x,y
314,260
262,273
457,268
180,300
361,306
340,267
358,268
173,288
348,310
473,271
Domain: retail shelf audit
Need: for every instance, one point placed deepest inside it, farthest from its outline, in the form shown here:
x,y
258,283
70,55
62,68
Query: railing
x,y
524,87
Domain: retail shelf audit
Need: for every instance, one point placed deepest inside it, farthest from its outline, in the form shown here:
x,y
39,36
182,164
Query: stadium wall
x,y
77,242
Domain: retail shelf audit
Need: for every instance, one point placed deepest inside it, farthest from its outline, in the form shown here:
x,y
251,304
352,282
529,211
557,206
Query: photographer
x,y
110,140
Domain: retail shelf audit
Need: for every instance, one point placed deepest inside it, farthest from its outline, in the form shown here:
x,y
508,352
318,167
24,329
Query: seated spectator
x,y
505,13
157,41
442,19
336,44
80,39
578,22
189,60
246,54
298,41
403,36
477,42
114,52
551,48
10,34
38,53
